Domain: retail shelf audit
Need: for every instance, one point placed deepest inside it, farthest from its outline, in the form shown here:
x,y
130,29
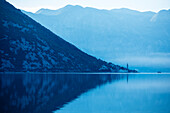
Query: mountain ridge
x,y
28,46
115,36
79,6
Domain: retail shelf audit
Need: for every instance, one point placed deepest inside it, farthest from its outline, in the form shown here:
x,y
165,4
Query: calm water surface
x,y
85,93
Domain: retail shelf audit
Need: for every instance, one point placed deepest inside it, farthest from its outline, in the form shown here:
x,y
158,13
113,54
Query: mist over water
x,y
153,63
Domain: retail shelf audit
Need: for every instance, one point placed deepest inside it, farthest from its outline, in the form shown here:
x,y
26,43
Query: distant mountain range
x,y
117,35
25,45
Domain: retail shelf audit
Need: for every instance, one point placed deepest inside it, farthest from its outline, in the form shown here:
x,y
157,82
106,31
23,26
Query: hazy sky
x,y
141,5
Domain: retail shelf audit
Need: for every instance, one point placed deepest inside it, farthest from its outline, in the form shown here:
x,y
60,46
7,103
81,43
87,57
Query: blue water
x,y
135,94
84,93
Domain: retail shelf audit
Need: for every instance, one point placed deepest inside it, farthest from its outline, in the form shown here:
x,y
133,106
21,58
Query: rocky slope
x,y
25,45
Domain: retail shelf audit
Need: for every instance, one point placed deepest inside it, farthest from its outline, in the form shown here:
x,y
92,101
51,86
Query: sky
x,y
140,5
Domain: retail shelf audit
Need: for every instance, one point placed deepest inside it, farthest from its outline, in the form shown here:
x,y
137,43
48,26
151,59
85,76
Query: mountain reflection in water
x,y
44,93
136,93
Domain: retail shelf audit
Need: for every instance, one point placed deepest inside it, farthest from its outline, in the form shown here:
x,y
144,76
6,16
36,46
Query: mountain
x,y
25,45
117,35
67,8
